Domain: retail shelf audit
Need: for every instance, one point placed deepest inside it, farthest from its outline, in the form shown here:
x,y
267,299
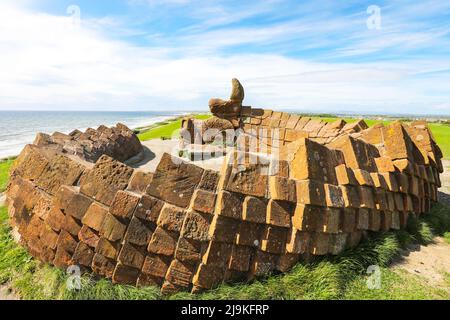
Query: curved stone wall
x,y
186,228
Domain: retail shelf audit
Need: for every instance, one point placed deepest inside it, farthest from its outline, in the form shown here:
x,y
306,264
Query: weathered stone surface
x,y
106,178
149,208
310,192
140,181
124,204
163,242
112,228
138,232
229,204
203,201
175,181
279,213
95,215
171,218
196,226
254,210
60,171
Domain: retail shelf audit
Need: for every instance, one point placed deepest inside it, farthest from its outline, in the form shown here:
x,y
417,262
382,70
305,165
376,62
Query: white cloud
x,y
49,63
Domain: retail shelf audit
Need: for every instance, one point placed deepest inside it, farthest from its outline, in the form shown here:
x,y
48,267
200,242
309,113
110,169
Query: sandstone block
x,y
348,220
320,243
209,180
149,208
71,225
223,229
112,229
307,217
362,219
279,213
297,241
254,210
273,239
171,218
207,276
106,178
196,226
103,266
366,197
163,242
88,236
188,250
310,192
140,181
60,171
217,254
334,197
156,265
175,181
107,248
240,258
374,220
337,243
95,215
351,196
229,205
180,273
124,204
262,264
203,201
83,255
281,188
249,234
125,275
138,232
131,256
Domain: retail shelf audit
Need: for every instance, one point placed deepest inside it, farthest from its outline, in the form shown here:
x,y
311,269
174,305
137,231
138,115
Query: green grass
x,y
5,165
166,130
340,277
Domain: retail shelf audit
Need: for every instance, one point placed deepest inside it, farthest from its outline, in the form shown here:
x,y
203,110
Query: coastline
x,y
138,129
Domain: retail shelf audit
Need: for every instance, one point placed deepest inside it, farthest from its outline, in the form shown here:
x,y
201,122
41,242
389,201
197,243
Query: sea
x,y
18,128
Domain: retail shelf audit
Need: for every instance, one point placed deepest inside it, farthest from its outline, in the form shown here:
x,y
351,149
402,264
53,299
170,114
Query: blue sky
x,y
316,56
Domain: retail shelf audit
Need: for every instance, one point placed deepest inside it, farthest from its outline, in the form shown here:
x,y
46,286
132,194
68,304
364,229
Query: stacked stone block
x,y
187,228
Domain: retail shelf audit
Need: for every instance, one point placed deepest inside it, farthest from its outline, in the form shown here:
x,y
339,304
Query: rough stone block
x,y
83,255
385,220
203,201
138,232
337,243
163,242
223,229
297,241
209,180
331,220
149,208
48,237
362,219
95,215
351,196
180,273
348,220
71,225
125,275
174,181
307,217
207,276
240,258
140,181
254,210
112,228
229,204
60,171
366,197
273,239
217,254
107,248
334,197
310,192
374,220
188,250
171,218
281,188
262,264
103,266
106,178
320,243
249,234
124,204
363,177
279,213
88,236
131,256
196,226
62,258
156,265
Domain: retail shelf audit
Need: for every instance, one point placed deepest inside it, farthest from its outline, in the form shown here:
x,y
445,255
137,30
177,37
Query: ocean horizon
x,y
19,128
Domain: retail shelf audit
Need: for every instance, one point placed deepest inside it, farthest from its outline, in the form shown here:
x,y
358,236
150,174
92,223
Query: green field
x,y
4,173
166,130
